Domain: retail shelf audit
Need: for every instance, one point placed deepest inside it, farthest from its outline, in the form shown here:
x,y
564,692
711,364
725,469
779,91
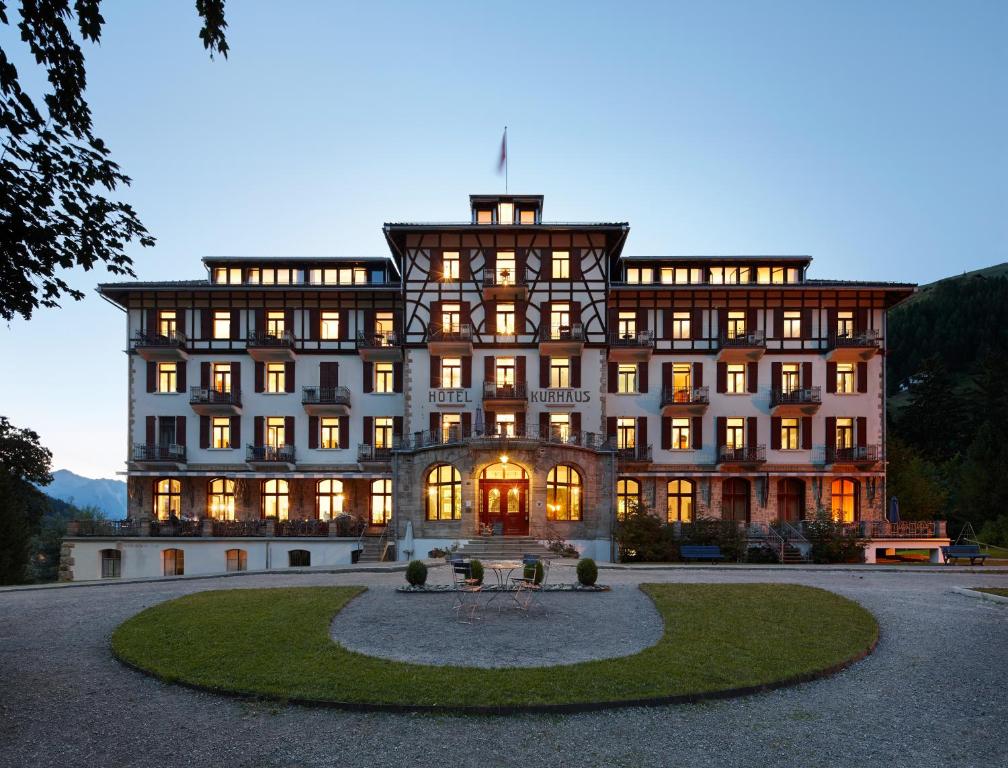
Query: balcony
x,y
505,284
746,455
270,457
486,438
371,454
270,348
160,454
795,402
509,397
160,348
379,347
853,347
636,454
857,456
631,347
450,340
562,340
213,402
742,348
684,401
326,401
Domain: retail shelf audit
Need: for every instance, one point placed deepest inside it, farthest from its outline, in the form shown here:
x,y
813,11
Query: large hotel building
x,y
500,376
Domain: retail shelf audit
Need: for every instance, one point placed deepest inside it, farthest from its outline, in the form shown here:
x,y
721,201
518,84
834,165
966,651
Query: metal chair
x,y
467,590
528,594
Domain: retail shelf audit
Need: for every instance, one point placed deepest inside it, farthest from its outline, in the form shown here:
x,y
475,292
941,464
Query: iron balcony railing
x,y
515,392
346,526
377,340
108,527
493,278
325,396
745,454
856,339
880,529
159,452
638,340
176,527
634,453
480,434
450,333
239,527
802,396
685,396
368,452
751,339
307,527
269,453
210,396
264,339
856,454
151,339
573,332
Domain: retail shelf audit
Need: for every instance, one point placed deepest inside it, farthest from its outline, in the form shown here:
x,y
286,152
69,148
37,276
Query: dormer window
x,y
640,275
505,213
484,216
526,216
228,276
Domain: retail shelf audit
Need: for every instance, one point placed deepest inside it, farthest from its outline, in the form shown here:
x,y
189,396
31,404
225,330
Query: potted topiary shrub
x,y
416,573
528,571
476,571
587,572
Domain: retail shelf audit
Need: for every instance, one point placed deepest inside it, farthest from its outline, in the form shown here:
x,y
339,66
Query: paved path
x,y
65,702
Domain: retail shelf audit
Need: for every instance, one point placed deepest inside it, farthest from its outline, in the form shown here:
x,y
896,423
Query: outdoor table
x,y
502,571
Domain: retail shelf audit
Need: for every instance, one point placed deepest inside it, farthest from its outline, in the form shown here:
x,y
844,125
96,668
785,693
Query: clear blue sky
x,y
868,135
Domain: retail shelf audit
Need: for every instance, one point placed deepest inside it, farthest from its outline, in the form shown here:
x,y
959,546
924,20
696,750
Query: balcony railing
x,y
883,529
269,453
752,339
480,434
803,396
574,332
746,454
685,396
209,396
176,527
344,525
239,527
516,392
857,454
367,452
325,396
450,333
858,339
377,340
159,452
108,527
494,278
307,527
150,339
264,339
638,340
636,453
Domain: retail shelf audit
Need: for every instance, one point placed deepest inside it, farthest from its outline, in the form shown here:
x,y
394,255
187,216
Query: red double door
x,y
505,506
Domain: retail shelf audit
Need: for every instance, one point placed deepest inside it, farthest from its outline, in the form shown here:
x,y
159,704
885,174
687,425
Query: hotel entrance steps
x,y
503,548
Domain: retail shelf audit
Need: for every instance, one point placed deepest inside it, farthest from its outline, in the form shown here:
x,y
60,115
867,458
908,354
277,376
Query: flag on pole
x,y
502,161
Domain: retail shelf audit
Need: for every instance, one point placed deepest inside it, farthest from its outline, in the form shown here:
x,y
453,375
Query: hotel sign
x,y
561,396
449,396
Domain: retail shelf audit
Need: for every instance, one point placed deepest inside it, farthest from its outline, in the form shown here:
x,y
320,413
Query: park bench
x,y
957,551
710,552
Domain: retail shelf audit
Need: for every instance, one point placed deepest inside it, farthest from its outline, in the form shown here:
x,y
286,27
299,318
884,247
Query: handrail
x,y
268,453
264,339
211,396
685,396
857,453
152,339
462,332
793,534
493,391
866,338
750,339
572,332
377,340
325,396
509,278
744,454
800,396
159,452
433,438
638,339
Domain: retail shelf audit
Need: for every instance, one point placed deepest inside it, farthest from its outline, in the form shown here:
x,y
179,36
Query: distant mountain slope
x,y
107,495
926,291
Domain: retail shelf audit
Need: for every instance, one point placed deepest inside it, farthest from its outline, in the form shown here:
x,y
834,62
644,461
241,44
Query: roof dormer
x,y
506,210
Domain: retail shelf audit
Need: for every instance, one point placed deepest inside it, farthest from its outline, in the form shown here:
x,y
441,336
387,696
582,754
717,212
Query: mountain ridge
x,y
106,494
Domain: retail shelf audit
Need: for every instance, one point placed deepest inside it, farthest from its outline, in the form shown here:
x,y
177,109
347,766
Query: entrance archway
x,y
503,501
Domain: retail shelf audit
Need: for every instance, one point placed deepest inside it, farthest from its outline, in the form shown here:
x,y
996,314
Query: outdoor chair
x,y
467,591
528,594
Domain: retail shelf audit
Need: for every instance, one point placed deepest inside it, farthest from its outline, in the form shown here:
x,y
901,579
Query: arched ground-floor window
x,y
329,499
735,499
844,500
299,558
790,499
680,501
444,493
173,562
381,501
111,563
627,497
221,499
563,493
237,560
275,499
167,498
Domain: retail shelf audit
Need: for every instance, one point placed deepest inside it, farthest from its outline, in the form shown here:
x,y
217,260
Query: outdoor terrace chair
x,y
467,590
529,592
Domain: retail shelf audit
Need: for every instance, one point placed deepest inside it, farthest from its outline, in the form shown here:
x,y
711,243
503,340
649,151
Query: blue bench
x,y
710,552
956,551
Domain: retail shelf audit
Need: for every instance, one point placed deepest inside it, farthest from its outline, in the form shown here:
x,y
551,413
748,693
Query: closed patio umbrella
x,y
893,515
408,540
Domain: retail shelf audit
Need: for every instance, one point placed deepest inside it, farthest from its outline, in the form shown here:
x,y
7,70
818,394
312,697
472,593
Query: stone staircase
x,y
503,548
791,555
373,546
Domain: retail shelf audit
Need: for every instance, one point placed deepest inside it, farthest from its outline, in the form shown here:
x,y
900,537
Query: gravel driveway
x,y
934,693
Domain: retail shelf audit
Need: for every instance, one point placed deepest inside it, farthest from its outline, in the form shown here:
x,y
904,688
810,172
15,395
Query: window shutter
x,y
150,321
642,320
612,322
545,264
753,377
775,430
397,426
466,424
544,363
666,432
667,323
289,376
520,423
642,377
258,428
345,316
697,375
575,378
830,432
575,313
642,435
696,433
613,377
752,320
830,378
521,376
576,422
204,375
696,325
289,321
722,322
259,316
806,324
369,323
667,379
543,425
204,431
466,372
437,265
180,433
722,378
806,433
488,368
435,371
289,430
576,272
314,329
721,427
344,432
435,422
778,323
862,431
151,377
435,318
611,426
775,376
235,431
861,317
806,375
752,438
313,432
260,375
328,375
397,377
151,430
520,308
368,422
489,316
862,376
367,377
465,315
831,319
236,379
206,325
465,271
235,325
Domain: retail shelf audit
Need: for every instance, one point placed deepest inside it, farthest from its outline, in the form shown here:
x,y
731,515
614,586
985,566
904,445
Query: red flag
x,y
502,161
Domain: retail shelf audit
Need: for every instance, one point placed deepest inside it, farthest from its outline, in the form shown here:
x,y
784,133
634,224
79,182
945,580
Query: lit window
x,y
792,324
844,500
561,265
444,493
680,434
681,325
222,324
627,378
626,433
330,321
845,378
167,323
506,270
484,216
682,382
381,501
736,378
506,424
167,498
383,374
563,493
451,427
789,435
559,320
275,501
627,498
505,319
167,373
276,375
346,276
778,275
763,275
736,325
844,433
451,372
626,325
504,370
526,216
505,213
790,377
734,433
559,427
222,377
220,275
359,276
559,368
383,432
450,266
845,324
253,276
680,501
221,428
221,499
451,318
384,328
329,437
276,323
329,499
276,432
237,560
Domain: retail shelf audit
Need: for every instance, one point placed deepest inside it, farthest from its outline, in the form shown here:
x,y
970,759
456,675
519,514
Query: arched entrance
x,y
735,500
504,499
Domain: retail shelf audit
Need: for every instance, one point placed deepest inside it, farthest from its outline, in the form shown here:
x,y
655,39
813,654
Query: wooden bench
x,y
710,552
962,551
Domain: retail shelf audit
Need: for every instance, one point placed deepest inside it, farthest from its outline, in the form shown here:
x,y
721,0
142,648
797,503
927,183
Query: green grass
x,y
993,591
275,643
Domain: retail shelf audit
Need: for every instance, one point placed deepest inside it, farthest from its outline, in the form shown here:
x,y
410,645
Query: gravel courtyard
x,y
934,693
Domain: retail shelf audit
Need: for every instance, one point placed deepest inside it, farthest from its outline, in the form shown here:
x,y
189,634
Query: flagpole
x,y
505,161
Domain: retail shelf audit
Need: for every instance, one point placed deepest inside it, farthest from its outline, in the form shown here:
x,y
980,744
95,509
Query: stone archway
x,y
504,499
